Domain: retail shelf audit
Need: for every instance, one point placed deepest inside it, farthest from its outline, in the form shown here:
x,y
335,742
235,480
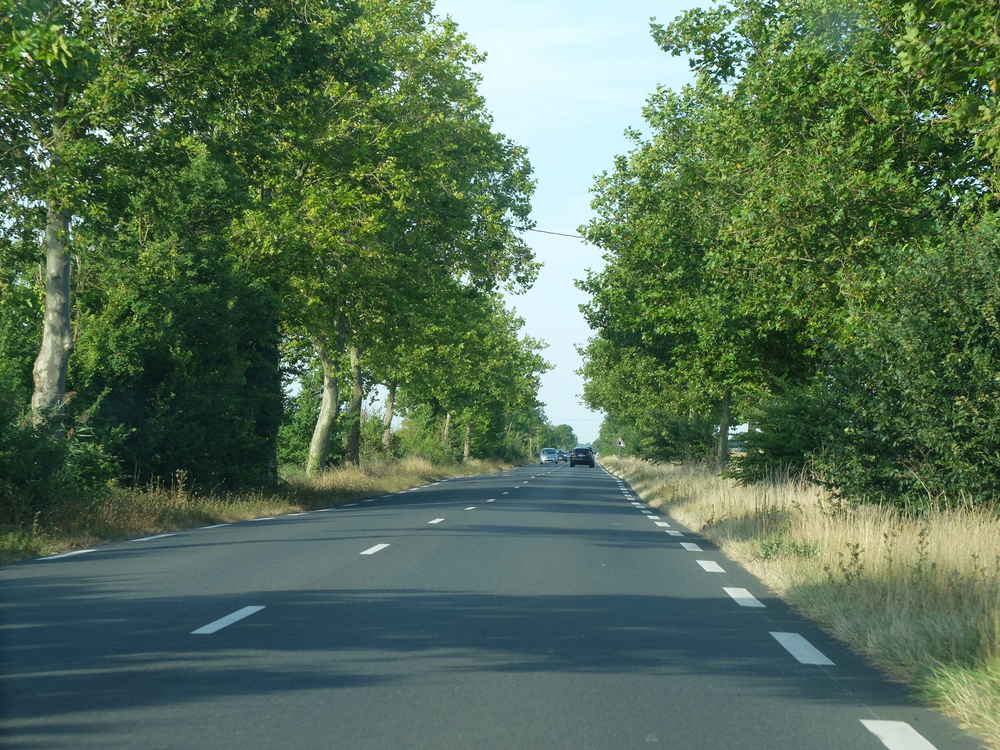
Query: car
x,y
549,455
582,454
563,455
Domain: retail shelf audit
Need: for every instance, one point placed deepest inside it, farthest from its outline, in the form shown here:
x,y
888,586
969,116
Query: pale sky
x,y
564,78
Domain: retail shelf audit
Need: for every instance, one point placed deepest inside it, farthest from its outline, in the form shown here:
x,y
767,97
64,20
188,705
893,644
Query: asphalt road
x,y
543,607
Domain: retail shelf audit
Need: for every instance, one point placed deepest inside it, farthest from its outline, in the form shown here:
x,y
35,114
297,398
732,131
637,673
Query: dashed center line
x,y
376,548
897,735
742,597
802,649
436,520
222,622
491,500
471,507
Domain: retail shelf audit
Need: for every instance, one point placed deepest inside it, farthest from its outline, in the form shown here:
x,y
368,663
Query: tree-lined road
x,y
534,608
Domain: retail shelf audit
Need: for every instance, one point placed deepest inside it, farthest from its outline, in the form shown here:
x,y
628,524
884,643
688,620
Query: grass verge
x,y
919,596
156,509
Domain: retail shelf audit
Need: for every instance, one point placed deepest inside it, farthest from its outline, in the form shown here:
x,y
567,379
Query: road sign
x,y
620,443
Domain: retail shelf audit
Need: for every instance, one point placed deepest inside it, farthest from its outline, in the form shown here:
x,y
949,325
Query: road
x,y
542,607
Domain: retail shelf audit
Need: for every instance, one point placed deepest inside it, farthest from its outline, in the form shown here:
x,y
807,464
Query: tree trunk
x,y
727,408
468,441
57,335
319,448
390,403
447,427
353,451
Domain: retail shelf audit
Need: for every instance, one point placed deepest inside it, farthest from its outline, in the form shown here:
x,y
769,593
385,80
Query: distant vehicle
x,y
582,454
563,455
549,455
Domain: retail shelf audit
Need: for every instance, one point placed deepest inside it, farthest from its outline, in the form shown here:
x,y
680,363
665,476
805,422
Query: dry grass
x,y
131,513
918,596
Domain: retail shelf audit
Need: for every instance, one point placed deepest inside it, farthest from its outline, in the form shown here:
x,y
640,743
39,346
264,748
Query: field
x,y
918,596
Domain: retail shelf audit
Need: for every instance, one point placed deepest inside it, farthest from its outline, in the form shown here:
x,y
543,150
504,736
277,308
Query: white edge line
x,y
373,550
150,538
222,622
801,649
214,526
897,735
743,597
67,554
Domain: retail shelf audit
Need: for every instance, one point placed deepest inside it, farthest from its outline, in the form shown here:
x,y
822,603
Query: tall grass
x,y
126,513
919,596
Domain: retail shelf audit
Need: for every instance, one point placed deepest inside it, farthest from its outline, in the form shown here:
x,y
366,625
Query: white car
x,y
549,455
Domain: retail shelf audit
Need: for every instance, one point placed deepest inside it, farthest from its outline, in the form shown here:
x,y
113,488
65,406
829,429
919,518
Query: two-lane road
x,y
534,608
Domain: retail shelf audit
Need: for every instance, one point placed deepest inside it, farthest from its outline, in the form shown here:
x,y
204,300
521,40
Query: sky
x,y
565,78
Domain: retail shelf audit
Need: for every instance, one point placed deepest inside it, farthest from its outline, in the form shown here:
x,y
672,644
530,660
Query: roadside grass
x,y
128,513
917,595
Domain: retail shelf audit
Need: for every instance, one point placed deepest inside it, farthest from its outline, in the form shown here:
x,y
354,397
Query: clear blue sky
x,y
565,78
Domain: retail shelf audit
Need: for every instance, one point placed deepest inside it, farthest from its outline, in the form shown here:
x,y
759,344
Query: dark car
x,y
581,455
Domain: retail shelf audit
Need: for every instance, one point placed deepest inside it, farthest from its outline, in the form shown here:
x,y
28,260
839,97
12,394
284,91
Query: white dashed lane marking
x,y
897,735
674,533
471,507
742,597
436,520
802,649
222,622
711,566
662,523
373,550
68,554
691,547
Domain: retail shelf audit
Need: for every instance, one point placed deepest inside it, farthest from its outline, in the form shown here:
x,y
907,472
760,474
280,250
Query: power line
x,y
558,234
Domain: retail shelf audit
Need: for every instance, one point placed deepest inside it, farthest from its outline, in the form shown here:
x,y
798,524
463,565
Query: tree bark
x,y
57,335
468,441
447,426
353,447
390,403
319,448
727,415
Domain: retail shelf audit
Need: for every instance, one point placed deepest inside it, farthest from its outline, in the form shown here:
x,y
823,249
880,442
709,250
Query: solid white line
x,y
219,624
265,518
216,526
691,547
802,649
292,515
67,554
742,597
436,520
897,735
662,523
373,550
711,566
150,538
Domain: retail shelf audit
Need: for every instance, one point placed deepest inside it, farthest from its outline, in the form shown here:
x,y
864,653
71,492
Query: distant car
x,y
563,455
582,454
549,455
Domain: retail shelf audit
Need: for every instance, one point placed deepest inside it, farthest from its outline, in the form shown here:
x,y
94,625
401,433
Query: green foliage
x,y
808,228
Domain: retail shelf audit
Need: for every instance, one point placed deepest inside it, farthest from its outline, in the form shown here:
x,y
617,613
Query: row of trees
x,y
808,241
235,196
